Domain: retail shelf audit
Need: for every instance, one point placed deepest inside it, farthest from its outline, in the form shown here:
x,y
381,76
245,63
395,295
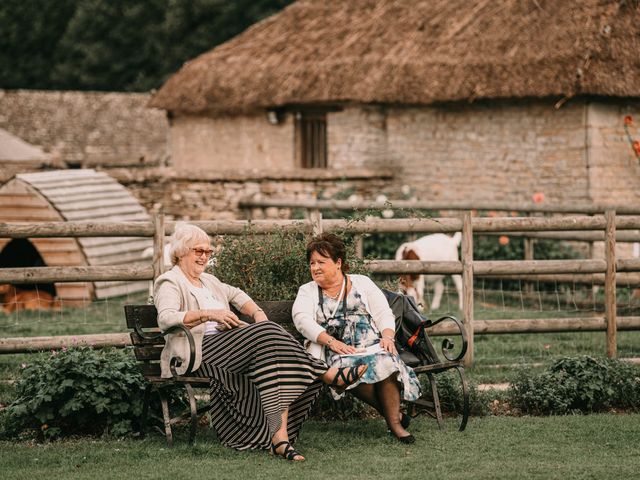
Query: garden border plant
x,y
78,391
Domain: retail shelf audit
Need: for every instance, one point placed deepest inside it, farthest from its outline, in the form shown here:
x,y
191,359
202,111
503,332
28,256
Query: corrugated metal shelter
x,y
79,195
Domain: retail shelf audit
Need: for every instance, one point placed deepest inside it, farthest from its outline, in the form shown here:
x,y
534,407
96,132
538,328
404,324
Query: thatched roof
x,y
416,52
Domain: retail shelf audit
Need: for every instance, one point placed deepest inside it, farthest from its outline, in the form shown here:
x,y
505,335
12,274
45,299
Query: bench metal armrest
x,y
154,335
175,361
448,345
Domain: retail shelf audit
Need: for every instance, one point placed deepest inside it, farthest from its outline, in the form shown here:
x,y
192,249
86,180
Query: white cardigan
x,y
306,307
173,298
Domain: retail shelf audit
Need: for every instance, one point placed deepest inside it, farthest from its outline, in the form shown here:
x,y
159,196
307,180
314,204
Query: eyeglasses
x,y
201,251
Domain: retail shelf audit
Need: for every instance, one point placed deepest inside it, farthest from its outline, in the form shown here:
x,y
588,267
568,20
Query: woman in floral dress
x,y
347,322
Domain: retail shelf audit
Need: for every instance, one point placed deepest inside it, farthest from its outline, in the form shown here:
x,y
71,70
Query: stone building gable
x,y
87,128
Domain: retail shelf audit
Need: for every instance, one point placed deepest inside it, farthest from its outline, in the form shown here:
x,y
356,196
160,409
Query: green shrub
x,y
450,394
271,267
77,391
577,384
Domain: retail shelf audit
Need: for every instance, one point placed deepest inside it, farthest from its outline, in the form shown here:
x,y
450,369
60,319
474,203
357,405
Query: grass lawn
x,y
570,447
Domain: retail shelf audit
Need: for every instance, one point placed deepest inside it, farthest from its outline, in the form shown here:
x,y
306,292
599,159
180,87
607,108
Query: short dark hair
x,y
328,245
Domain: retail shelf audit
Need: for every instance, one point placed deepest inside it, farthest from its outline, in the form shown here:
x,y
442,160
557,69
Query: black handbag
x,y
411,335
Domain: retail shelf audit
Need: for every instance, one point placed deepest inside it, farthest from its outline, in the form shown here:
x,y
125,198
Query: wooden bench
x,y
148,343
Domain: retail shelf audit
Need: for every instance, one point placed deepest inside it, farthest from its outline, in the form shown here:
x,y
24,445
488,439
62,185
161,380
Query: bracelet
x,y
253,315
330,341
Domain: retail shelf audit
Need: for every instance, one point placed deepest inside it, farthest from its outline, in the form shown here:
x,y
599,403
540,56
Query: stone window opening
x,y
311,139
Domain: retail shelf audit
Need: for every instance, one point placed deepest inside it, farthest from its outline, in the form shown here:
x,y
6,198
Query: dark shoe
x,y
289,453
405,421
353,374
408,440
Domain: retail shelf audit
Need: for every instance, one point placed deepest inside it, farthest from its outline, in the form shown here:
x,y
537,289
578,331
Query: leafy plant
x,y
577,384
77,391
271,267
450,394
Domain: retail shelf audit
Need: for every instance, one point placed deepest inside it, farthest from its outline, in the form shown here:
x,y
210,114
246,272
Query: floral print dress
x,y
358,331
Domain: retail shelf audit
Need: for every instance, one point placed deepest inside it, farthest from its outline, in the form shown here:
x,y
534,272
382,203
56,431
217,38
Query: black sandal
x,y
352,376
289,453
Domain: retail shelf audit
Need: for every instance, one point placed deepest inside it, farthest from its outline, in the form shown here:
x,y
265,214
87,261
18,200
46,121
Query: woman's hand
x,y
225,319
388,344
341,348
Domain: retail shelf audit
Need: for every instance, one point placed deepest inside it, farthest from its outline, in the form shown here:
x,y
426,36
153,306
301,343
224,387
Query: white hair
x,y
185,236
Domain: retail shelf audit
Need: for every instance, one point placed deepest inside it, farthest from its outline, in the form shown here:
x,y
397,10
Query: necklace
x,y
334,296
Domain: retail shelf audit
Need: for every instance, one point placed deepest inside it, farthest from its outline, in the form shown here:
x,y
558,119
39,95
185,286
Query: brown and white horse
x,y
430,248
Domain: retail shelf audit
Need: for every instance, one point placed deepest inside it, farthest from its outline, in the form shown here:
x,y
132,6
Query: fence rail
x,y
528,207
606,270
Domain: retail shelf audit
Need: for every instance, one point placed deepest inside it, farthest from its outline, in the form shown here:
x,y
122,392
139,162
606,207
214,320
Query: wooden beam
x,y
38,344
539,325
488,267
158,244
239,227
76,229
434,205
467,286
610,283
75,274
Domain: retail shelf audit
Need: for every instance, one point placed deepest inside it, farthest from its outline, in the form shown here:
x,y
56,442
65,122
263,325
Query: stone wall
x,y
495,151
614,168
232,143
212,196
87,128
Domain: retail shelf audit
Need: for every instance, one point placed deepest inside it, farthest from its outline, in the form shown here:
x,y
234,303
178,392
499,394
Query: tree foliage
x,y
114,45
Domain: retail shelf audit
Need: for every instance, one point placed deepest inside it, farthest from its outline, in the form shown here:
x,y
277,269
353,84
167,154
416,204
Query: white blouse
x,y
206,301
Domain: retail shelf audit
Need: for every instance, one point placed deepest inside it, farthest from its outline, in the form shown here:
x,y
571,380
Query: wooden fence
x,y
610,268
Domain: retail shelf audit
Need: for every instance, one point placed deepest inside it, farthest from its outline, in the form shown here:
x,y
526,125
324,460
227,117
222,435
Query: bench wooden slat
x,y
148,353
146,316
150,369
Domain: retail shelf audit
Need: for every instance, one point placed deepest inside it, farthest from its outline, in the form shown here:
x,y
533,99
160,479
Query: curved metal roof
x,y
88,195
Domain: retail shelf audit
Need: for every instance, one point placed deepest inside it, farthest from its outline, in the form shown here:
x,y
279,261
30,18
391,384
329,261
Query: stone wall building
x,y
462,100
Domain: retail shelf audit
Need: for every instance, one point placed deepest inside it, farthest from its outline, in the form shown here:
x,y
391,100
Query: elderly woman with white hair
x,y
263,383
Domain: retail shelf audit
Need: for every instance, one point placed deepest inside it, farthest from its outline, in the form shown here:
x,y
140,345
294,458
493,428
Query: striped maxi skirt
x,y
256,372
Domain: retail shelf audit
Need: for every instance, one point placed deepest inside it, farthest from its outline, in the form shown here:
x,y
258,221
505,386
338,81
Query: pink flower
x,y
538,197
628,120
503,240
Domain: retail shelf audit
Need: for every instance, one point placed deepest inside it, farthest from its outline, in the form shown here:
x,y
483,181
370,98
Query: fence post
x,y
528,255
158,244
610,283
315,217
467,284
